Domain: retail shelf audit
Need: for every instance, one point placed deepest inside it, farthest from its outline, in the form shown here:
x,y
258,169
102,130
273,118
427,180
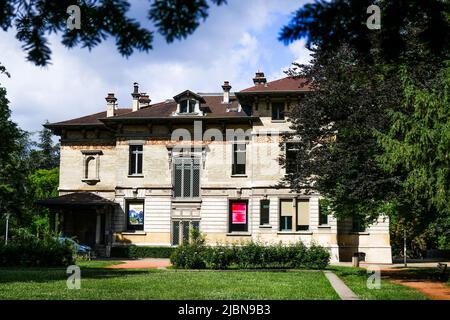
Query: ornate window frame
x,y
91,155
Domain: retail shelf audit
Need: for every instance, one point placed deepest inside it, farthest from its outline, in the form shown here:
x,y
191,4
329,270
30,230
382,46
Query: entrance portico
x,y
84,216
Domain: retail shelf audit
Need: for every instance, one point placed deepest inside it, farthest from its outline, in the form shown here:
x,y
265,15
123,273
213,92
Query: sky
x,y
233,43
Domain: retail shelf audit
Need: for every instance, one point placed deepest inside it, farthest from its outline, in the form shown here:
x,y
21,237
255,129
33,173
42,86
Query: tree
x,y
333,129
42,184
35,20
356,76
45,155
329,24
418,145
13,164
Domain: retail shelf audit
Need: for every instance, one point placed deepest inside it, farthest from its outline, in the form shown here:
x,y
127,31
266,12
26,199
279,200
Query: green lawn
x,y
356,280
159,284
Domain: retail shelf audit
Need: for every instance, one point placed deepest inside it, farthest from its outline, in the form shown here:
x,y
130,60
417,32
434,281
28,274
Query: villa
x,y
148,174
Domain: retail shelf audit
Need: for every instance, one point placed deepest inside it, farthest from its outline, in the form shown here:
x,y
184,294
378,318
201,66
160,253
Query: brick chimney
x,y
226,92
144,100
259,78
135,94
110,105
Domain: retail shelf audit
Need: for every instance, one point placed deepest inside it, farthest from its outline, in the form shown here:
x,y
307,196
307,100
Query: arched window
x,y
91,166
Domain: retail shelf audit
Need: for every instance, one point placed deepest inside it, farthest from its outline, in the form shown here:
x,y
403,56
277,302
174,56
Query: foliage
x,y
190,255
34,20
250,255
45,154
417,144
13,163
358,78
141,252
27,250
329,24
27,173
335,122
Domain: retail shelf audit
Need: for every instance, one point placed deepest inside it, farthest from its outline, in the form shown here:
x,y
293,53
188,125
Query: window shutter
x,y
303,212
287,209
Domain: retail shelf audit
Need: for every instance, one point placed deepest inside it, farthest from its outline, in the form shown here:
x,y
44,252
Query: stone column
x,y
98,226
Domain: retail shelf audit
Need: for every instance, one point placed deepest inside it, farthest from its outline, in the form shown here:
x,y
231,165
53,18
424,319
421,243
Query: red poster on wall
x,y
239,213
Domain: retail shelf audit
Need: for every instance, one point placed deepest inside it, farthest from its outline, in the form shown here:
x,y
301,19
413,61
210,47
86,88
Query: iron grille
x,y
186,178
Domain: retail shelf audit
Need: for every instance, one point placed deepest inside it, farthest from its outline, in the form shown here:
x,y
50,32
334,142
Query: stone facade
x,y
96,158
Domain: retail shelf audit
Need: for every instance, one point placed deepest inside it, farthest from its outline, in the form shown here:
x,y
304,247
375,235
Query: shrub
x,y
250,255
316,257
141,252
219,257
190,255
29,251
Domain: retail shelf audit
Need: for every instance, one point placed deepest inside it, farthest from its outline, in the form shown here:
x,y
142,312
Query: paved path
x,y
153,263
344,292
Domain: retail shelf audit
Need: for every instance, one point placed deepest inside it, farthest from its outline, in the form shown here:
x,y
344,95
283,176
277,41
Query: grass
x,y
356,280
99,283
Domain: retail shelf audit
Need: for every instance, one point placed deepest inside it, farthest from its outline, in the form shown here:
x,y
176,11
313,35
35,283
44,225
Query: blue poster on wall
x,y
136,214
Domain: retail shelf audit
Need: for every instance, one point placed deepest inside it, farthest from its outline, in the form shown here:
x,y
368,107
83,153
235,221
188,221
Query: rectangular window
x,y
277,111
183,106
358,224
239,157
286,214
186,178
181,231
291,157
302,214
135,159
238,216
135,215
264,211
187,106
323,212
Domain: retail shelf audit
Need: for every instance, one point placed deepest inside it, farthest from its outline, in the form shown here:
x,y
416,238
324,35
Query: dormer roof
x,y
188,94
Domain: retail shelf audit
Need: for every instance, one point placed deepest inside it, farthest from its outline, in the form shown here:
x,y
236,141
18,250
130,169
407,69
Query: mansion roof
x,y
211,106
285,85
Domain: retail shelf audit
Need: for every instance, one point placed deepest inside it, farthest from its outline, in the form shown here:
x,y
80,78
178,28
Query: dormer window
x,y
188,103
187,106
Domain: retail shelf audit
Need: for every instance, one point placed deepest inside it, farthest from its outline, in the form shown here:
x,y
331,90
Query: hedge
x,y
250,255
141,252
35,252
